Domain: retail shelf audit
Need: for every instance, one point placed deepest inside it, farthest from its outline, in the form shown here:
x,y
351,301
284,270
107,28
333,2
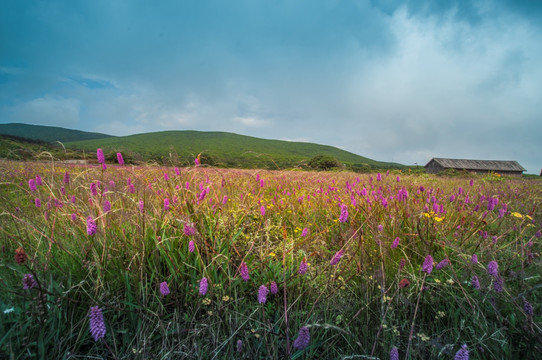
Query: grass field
x,y
205,263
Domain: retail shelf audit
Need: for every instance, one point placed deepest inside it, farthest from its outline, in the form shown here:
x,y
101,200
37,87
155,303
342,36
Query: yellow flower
x,y
516,214
272,254
206,301
225,298
438,219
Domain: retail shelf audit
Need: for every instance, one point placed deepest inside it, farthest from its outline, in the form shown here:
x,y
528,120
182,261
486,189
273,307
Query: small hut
x,y
503,167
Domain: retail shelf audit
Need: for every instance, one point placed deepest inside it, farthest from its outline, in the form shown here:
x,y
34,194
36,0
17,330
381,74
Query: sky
x,y
400,81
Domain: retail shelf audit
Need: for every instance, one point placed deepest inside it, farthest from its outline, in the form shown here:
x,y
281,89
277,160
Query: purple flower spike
x,y
37,201
100,156
164,289
493,269
427,266
244,271
442,264
394,353
303,338
304,232
203,286
274,288
120,159
191,246
474,259
166,204
303,267
91,226
262,294
97,325
336,258
475,282
463,353
395,243
32,185
344,213
29,282
239,346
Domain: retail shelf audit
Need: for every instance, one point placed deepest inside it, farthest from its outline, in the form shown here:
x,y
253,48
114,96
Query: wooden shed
x,y
503,167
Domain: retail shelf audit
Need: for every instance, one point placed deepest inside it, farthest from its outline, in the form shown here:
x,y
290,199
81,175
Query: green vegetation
x,y
48,134
167,263
225,149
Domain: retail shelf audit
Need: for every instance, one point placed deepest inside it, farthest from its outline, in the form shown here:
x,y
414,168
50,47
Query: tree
x,y
323,162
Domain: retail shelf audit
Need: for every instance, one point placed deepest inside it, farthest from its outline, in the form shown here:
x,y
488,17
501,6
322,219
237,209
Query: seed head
x,y
20,256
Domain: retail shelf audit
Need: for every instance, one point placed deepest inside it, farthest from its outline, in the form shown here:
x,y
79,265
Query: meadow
x,y
136,262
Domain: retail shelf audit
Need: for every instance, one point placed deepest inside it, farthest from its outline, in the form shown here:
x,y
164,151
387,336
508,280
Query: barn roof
x,y
484,165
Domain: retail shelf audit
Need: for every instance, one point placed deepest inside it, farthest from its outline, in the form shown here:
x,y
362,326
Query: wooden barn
x,y
502,167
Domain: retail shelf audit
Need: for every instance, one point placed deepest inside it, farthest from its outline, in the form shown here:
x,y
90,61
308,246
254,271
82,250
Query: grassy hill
x,y
48,133
223,149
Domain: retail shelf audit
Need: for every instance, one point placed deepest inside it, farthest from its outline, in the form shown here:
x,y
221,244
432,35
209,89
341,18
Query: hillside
x,y
48,133
223,149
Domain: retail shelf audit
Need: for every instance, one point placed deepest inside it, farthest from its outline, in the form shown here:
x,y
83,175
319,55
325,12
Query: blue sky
x,y
399,81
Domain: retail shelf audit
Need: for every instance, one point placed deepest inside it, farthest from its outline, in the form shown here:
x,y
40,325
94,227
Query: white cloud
x,y
47,110
251,121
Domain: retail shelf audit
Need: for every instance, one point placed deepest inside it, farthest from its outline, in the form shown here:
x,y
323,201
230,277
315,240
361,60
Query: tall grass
x,y
358,306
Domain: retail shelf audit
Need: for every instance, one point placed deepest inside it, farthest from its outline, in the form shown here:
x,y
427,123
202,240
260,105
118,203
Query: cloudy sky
x,y
398,81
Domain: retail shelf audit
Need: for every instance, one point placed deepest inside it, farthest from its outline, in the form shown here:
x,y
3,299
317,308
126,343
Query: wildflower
x,y
528,308
191,246
380,227
403,283
37,201
344,213
196,161
91,226
538,234
427,266
244,271
74,216
164,289
97,325
29,282
474,259
107,206
20,256
93,189
38,180
475,282
493,268
239,346
262,210
303,338
166,204
262,294
402,264
203,286
395,243
66,179
100,156
32,185
131,188
274,288
463,353
72,199
336,258
189,230
497,284
303,267
225,199
166,176
394,353
304,232
442,264
120,159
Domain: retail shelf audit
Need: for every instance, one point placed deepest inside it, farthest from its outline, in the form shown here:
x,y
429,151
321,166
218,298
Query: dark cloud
x,y
389,80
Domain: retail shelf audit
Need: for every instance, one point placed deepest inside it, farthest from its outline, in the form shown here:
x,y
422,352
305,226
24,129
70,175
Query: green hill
x,y
48,133
223,149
